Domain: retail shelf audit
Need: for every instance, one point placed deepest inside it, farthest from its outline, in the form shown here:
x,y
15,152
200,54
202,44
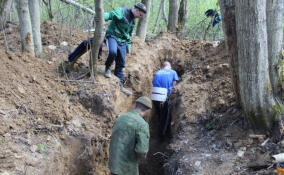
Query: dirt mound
x,y
52,123
47,119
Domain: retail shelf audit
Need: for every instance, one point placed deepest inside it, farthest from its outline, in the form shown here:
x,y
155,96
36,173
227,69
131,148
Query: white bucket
x,y
159,94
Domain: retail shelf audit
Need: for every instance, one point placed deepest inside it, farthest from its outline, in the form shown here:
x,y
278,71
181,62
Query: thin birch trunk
x,y
25,26
78,5
34,9
98,37
164,13
158,16
5,10
143,22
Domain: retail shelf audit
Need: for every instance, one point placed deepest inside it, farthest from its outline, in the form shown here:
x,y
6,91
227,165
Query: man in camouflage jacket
x,y
130,139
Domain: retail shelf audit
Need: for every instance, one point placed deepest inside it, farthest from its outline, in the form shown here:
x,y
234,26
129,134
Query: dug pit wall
x,y
159,153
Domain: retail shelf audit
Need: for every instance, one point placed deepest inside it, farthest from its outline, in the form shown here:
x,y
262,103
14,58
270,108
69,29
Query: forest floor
x,y
58,123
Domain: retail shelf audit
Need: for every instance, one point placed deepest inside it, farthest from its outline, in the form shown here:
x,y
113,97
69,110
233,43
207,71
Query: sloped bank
x,y
50,125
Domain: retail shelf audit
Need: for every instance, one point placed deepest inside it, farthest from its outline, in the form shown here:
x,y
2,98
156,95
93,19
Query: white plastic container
x,y
159,94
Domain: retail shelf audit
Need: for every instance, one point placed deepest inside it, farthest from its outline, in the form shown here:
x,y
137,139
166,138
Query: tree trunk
x,y
98,37
143,22
254,83
158,16
164,12
274,14
5,9
35,21
49,9
25,26
182,18
229,28
173,15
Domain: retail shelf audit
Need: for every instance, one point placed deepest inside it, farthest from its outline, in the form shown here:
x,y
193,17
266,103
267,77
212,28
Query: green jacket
x,y
130,137
121,26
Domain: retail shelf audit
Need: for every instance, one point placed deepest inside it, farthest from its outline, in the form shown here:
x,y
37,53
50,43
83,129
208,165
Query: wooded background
x,y
196,22
253,35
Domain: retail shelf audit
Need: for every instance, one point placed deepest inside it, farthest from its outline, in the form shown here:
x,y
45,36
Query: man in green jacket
x,y
130,139
118,40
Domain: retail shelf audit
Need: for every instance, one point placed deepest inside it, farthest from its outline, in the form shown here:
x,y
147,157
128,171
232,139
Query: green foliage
x,y
2,6
196,27
278,108
41,147
198,22
74,17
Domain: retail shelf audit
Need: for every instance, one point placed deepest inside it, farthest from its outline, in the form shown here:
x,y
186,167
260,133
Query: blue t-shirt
x,y
164,78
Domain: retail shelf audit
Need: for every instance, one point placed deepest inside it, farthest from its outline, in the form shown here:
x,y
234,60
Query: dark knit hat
x,y
141,7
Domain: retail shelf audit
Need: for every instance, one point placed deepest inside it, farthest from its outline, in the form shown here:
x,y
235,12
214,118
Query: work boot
x,y
107,73
124,90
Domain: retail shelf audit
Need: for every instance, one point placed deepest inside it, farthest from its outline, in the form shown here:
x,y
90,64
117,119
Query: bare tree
x,y
182,18
274,13
49,9
164,12
254,82
229,28
253,36
158,16
98,37
78,5
173,15
34,9
5,9
25,25
143,22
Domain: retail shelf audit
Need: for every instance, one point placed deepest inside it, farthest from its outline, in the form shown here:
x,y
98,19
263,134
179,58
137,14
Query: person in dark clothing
x,y
215,15
117,39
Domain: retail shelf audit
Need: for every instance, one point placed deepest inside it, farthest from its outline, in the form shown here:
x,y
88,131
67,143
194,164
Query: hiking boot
x,y
107,73
124,90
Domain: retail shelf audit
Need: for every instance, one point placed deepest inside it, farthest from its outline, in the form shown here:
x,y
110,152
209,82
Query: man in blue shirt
x,y
164,78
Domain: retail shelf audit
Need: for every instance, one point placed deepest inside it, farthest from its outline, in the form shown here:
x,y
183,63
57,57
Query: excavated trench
x,y
72,121
96,103
159,153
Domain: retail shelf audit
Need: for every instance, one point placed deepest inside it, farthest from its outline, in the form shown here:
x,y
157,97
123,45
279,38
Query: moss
x,y
281,72
278,108
269,86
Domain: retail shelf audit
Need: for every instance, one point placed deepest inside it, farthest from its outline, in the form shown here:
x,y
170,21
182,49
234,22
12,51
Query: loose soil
x,y
58,123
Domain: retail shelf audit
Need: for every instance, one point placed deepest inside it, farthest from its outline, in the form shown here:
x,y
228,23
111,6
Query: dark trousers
x,y
81,49
163,112
117,53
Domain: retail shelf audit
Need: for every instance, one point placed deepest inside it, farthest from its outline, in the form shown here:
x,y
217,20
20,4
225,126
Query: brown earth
x,y
61,124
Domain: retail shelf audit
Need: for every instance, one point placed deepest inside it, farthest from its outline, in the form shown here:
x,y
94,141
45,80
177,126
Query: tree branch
x,y
77,4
